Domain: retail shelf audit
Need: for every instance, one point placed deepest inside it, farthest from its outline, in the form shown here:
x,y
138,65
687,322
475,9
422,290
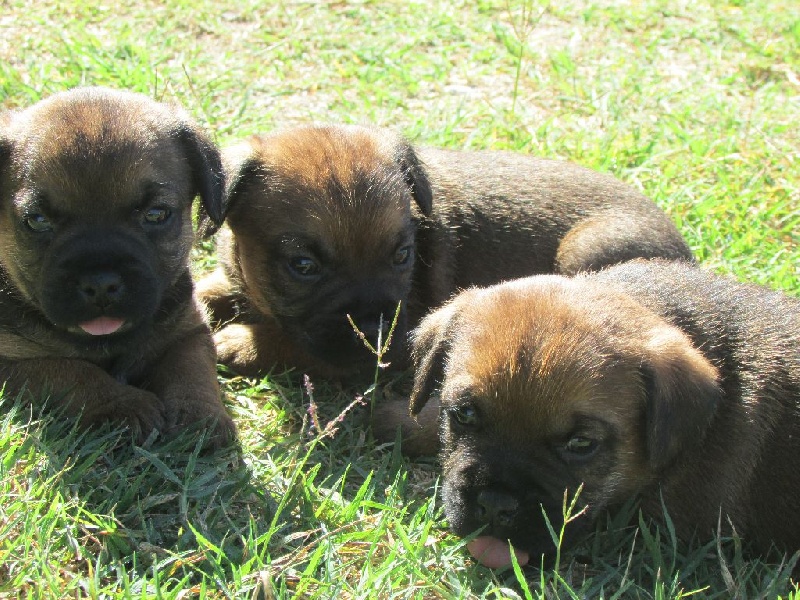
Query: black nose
x,y
497,508
101,288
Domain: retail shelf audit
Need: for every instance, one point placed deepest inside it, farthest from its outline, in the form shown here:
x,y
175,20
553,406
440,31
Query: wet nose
x,y
497,508
101,288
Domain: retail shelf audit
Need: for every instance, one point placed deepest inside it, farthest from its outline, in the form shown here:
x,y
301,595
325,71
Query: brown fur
x,y
96,193
357,200
685,385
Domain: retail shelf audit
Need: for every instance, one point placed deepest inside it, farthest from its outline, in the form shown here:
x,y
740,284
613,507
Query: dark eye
x,y
156,216
403,255
38,223
466,414
303,266
580,447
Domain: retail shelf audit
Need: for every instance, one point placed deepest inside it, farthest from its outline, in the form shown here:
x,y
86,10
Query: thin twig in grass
x,y
331,427
522,26
380,349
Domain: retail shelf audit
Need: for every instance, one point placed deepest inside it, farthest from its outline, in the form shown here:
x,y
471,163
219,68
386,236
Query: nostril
x,y
505,517
481,513
496,507
101,287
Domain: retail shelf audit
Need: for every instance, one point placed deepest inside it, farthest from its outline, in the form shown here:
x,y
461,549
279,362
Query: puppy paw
x,y
237,347
201,410
418,434
141,410
219,427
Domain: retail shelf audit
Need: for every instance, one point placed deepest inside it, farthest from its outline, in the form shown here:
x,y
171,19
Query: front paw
x,y
418,434
141,410
237,348
201,409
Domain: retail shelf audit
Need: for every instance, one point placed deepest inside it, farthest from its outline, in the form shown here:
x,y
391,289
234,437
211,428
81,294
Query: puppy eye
x,y
403,256
581,447
303,266
465,414
156,216
38,223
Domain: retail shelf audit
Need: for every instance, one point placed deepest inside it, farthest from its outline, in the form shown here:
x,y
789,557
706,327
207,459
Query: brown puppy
x,y
343,220
96,300
650,378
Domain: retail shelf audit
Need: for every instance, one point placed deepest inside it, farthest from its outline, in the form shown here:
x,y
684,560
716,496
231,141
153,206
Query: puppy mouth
x,y
101,326
495,553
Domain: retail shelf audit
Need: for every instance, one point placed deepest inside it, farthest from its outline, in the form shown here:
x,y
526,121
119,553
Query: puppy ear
x,y
5,142
240,165
5,151
682,390
430,342
415,176
207,175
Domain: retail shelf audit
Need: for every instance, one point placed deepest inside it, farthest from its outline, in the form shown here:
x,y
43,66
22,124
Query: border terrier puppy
x,y
330,221
96,301
649,379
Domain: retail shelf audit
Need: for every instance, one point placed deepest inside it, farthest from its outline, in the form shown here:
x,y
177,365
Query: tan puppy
x,y
334,221
96,301
651,378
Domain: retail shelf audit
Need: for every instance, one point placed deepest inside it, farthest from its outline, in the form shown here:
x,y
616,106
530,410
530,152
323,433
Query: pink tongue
x,y
493,552
101,325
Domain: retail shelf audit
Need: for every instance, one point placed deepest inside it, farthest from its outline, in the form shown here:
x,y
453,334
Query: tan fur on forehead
x,y
347,179
90,135
319,155
543,346
546,344
97,116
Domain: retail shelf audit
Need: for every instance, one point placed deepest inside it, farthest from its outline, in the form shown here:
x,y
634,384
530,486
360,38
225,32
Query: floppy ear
x,y
682,389
415,176
5,142
6,147
240,165
5,151
207,177
430,343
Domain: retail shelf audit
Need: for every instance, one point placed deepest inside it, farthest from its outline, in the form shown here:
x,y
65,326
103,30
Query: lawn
x,y
696,104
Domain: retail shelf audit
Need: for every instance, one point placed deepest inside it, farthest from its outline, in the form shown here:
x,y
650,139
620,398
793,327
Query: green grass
x,y
696,104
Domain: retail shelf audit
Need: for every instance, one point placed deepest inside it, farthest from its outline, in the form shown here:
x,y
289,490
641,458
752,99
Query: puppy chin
x,y
335,341
353,359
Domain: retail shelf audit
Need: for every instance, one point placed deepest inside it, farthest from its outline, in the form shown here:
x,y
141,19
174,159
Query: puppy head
x,y
549,384
96,191
324,221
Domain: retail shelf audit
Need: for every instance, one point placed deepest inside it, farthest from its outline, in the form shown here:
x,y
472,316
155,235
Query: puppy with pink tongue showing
x,y
495,553
650,381
102,325
97,306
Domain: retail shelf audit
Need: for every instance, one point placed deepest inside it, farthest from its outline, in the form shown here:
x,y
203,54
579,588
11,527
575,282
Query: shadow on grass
x,y
296,513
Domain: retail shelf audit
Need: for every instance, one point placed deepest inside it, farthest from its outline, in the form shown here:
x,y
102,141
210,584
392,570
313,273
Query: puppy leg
x,y
185,378
214,291
418,434
256,349
612,238
84,390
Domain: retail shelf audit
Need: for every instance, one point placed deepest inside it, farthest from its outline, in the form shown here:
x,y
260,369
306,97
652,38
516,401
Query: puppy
x,y
96,300
649,379
335,221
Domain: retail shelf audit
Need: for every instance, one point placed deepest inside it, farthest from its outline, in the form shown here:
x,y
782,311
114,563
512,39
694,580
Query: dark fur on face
x,y
331,221
648,379
95,234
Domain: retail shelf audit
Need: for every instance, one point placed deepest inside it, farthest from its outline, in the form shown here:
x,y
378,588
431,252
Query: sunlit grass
x,y
695,104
